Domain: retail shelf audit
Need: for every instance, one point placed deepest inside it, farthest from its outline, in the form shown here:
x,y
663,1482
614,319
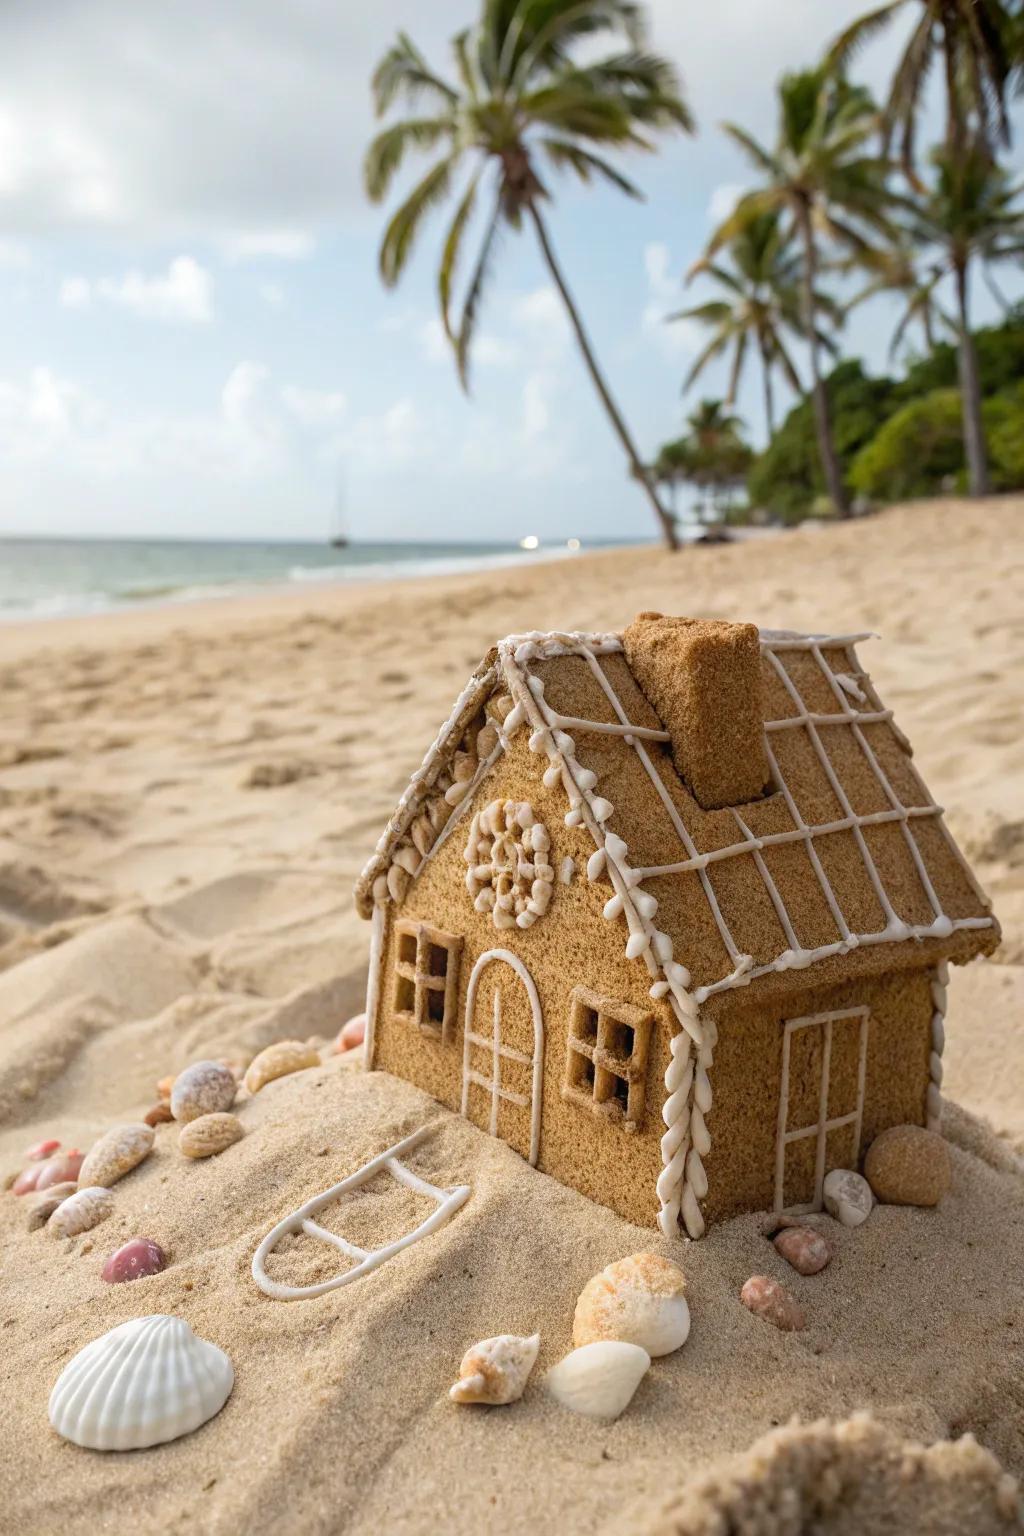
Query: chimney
x,y
703,678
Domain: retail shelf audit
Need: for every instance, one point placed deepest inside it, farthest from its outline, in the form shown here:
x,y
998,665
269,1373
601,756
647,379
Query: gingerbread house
x,y
671,913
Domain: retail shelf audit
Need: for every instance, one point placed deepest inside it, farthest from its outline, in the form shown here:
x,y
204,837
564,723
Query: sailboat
x,y
339,538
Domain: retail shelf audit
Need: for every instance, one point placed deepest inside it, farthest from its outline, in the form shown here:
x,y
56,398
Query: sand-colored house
x,y
671,913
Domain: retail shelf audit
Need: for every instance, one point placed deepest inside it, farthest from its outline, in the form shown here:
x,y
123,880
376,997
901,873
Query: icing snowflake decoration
x,y
509,874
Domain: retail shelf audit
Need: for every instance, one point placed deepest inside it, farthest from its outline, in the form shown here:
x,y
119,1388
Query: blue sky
x,y
193,337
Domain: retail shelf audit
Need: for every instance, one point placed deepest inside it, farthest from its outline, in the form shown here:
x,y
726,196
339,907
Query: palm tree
x,y
969,213
710,455
896,271
520,104
820,176
762,302
973,40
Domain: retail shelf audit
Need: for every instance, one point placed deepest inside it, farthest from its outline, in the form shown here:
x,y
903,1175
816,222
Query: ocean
x,y
54,578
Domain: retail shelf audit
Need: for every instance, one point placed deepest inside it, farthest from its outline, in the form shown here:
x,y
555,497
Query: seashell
x,y
116,1153
808,1251
278,1060
55,1170
496,1370
160,1114
43,1207
209,1135
350,1035
145,1382
42,1150
204,1088
768,1299
599,1379
639,1300
847,1196
134,1260
84,1209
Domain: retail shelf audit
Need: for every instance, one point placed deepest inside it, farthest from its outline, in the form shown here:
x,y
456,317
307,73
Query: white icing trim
x,y
373,982
493,1084
448,1202
819,1128
683,1176
939,982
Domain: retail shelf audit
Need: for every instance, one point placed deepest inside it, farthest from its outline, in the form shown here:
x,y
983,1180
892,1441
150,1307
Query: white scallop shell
x,y
599,1379
496,1370
143,1383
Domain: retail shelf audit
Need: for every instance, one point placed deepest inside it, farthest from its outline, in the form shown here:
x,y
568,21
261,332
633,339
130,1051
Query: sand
x,y
186,797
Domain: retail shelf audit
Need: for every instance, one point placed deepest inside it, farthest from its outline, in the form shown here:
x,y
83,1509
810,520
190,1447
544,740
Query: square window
x,y
427,977
606,1059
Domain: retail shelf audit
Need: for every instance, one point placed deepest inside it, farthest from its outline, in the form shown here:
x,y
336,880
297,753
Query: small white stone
x,y
847,1197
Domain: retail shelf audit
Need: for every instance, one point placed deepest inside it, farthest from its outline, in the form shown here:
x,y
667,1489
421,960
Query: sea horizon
x,y
54,577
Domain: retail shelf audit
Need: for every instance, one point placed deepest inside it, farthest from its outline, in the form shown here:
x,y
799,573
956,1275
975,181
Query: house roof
x,y
848,851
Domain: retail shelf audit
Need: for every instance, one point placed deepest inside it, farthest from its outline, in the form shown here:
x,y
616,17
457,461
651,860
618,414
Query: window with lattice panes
x,y
606,1060
426,977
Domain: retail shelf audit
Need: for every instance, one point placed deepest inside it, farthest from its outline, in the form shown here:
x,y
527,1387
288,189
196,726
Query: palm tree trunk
x,y
665,518
769,401
970,392
823,421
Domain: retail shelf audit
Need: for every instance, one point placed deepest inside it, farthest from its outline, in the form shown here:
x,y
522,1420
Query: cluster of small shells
x,y
509,874
436,801
632,1310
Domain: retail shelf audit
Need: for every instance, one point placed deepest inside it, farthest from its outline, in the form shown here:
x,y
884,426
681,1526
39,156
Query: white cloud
x,y
76,293
279,244
314,407
396,435
541,311
14,253
488,351
723,200
536,410
271,293
184,292
664,297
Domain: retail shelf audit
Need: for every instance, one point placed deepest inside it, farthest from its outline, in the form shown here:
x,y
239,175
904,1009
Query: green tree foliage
x,y
917,451
920,450
787,478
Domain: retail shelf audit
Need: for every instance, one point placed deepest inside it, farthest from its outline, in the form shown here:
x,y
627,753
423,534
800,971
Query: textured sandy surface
x,y
185,800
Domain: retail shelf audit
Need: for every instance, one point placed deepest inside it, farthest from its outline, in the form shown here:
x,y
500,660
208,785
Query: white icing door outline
x,y
493,1043
822,1125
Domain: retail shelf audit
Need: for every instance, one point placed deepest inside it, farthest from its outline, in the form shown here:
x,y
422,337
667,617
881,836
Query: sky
x,y
194,339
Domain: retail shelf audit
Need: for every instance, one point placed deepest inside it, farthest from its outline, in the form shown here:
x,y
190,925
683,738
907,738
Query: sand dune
x,y
185,800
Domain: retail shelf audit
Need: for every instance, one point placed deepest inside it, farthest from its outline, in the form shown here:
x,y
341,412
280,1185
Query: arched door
x,y
503,1052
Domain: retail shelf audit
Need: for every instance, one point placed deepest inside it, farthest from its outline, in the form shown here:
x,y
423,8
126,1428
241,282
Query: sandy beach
x,y
186,800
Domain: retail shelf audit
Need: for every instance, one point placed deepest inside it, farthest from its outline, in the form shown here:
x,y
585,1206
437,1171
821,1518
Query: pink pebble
x,y
62,1169
27,1179
40,1150
137,1258
351,1035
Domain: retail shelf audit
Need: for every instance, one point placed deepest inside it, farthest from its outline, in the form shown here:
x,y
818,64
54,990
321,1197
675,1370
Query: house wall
x,y
747,1072
572,944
